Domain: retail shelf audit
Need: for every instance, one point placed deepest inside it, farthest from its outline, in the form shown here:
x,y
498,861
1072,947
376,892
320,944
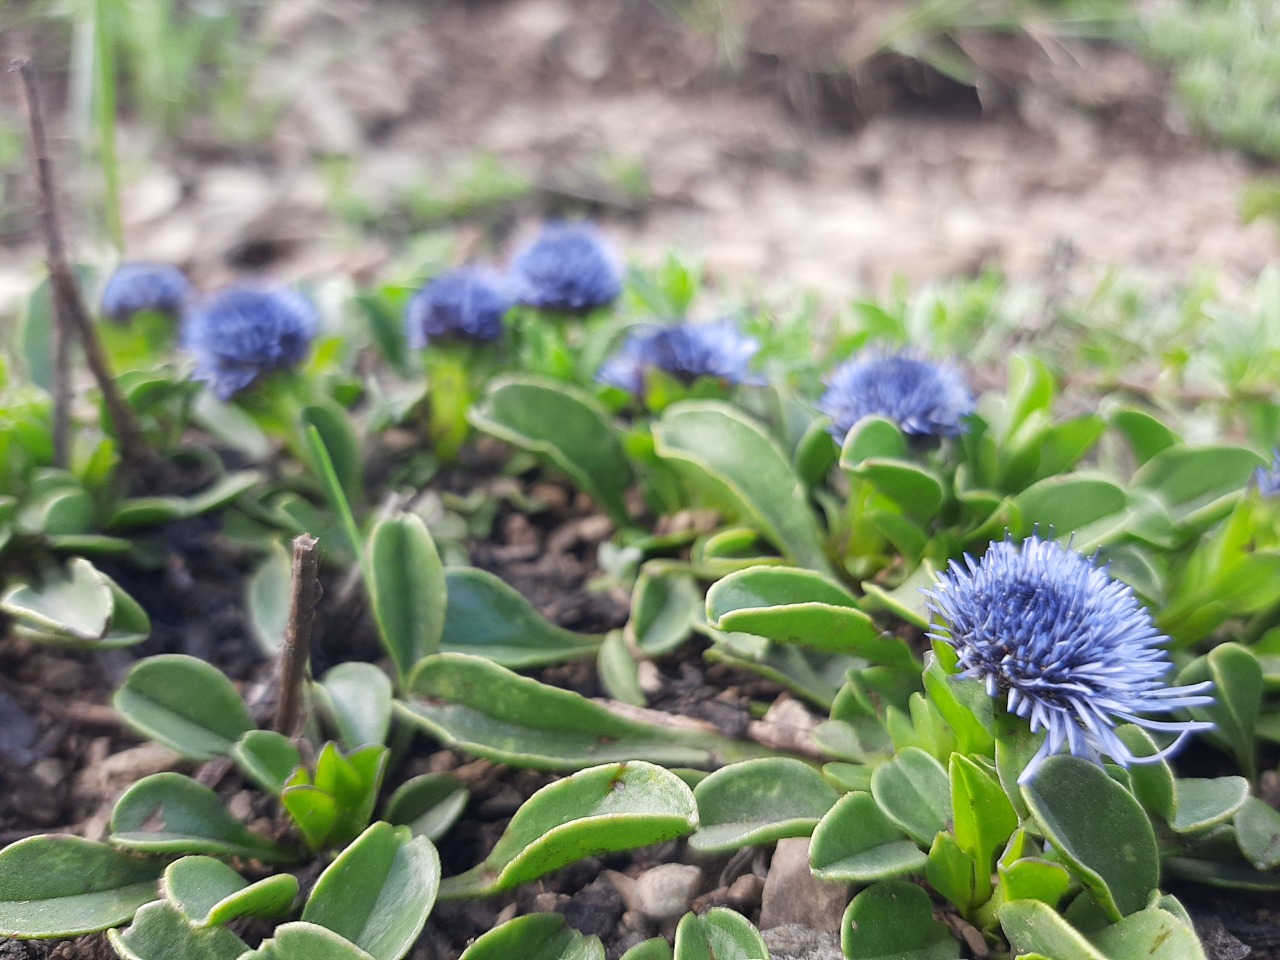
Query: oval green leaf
x,y
359,698
379,892
428,804
537,936
160,932
170,813
893,920
56,886
487,618
759,801
1100,830
566,427
742,467
408,589
617,806
855,842
184,703
719,934
801,607
209,893
912,789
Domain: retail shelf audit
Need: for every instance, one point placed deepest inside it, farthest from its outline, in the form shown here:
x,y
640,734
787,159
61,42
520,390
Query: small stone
x,y
744,893
49,773
795,941
792,895
665,892
649,678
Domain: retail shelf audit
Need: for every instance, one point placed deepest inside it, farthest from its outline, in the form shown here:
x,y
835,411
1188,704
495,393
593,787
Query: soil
x,y
775,147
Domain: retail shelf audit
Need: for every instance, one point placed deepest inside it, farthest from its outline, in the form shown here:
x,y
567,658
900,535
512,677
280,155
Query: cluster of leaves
x,y
797,557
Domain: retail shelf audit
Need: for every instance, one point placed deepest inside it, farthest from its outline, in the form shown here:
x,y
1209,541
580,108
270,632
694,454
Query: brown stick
x,y
295,653
69,308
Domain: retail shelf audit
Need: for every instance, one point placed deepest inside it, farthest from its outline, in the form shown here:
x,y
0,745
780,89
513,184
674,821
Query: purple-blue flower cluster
x,y
1268,479
468,304
136,287
242,332
686,352
1070,649
925,399
568,268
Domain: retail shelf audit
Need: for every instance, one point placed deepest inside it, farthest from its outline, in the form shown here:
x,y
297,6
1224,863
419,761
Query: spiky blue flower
x,y
468,304
136,287
569,267
686,352
925,399
242,332
1268,480
1070,649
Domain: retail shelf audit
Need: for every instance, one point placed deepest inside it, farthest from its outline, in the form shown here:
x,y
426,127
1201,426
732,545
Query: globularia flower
x,y
136,287
1268,480
468,303
239,333
1069,648
925,399
686,351
568,267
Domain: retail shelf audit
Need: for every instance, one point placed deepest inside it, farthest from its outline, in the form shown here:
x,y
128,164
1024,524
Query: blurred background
x,y
831,146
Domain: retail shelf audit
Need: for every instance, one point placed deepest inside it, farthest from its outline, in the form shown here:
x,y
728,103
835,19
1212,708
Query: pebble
x,y
792,895
666,891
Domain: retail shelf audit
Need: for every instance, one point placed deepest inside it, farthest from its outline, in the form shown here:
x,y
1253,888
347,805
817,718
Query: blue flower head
x,y
1268,480
239,333
926,400
686,351
136,287
568,267
468,304
1069,648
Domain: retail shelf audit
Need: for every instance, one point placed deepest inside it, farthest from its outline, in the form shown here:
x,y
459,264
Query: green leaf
x,y
1189,479
428,804
75,604
305,941
965,705
745,471
617,806
160,932
267,598
1258,833
313,810
1033,879
61,886
1202,803
359,698
1146,434
489,711
537,936
1152,781
184,703
408,590
787,605
155,511
267,757
913,791
1034,927
855,842
170,813
913,489
379,892
1149,933
566,427
1099,829
1072,504
872,437
334,426
338,502
209,893
893,920
619,671
656,948
1237,691
719,934
951,872
759,801
983,818
487,618
664,606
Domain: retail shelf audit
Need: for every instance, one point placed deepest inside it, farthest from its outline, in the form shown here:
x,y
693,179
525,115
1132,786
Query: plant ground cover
x,y
1148,454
